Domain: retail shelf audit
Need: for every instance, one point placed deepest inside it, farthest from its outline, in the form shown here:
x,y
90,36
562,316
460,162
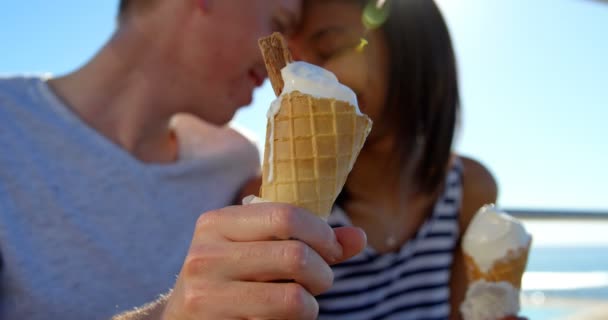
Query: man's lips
x,y
257,77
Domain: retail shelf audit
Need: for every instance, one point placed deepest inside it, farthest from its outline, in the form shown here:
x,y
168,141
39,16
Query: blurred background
x,y
534,85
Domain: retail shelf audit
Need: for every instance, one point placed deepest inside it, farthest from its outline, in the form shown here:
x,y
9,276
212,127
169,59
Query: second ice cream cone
x,y
509,269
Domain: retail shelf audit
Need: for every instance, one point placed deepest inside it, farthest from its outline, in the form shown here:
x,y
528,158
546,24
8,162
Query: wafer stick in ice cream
x,y
276,57
495,248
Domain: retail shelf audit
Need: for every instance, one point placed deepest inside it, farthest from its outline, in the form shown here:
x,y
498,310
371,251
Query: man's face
x,y
220,59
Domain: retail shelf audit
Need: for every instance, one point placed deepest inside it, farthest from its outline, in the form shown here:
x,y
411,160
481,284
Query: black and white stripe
x,y
412,283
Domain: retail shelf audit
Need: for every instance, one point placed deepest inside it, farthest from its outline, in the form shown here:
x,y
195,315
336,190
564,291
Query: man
x,y
101,187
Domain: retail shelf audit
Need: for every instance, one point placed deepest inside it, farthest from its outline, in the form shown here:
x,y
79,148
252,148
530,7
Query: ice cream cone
x,y
311,146
509,269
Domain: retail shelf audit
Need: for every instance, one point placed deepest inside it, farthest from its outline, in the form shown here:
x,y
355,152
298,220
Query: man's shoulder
x,y
19,91
25,110
18,84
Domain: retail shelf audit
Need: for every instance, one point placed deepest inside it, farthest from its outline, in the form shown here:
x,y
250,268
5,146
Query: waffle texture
x,y
311,146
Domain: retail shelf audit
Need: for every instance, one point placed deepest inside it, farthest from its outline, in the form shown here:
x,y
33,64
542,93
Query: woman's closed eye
x,y
333,43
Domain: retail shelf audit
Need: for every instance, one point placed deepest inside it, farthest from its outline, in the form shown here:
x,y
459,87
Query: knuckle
x,y
201,259
207,221
296,255
296,299
193,300
283,219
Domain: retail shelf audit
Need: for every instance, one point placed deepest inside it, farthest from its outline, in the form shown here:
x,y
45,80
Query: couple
x,y
106,196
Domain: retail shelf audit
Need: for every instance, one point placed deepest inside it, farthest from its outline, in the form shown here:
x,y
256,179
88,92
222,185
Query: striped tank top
x,y
411,283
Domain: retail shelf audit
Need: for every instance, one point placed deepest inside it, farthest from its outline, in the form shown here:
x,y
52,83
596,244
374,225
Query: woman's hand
x,y
262,261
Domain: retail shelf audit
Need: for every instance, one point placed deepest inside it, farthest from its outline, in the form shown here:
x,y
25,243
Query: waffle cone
x,y
510,269
311,146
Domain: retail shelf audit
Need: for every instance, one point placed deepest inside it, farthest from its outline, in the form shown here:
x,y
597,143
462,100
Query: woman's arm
x,y
479,188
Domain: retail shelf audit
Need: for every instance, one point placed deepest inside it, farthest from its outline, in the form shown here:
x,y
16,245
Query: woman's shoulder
x,y
479,188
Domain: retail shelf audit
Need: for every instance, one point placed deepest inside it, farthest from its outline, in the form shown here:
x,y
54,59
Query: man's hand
x,y
262,261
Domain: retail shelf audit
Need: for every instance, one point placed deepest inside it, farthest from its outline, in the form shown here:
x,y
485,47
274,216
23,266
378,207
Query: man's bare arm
x,y
151,311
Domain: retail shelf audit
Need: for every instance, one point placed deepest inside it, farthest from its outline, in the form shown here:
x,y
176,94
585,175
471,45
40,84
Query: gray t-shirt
x,y
88,231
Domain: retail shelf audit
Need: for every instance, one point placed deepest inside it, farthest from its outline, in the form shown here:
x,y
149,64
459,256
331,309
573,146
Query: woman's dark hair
x,y
422,105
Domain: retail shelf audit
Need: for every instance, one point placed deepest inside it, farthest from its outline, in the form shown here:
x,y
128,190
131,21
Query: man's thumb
x,y
352,239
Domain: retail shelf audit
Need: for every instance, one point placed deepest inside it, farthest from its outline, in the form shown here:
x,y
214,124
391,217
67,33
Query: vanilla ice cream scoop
x,y
491,235
313,80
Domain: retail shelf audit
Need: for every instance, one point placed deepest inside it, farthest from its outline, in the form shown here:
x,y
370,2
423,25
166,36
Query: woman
x,y
411,194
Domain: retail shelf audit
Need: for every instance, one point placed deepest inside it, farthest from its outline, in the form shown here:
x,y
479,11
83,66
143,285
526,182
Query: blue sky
x,y
534,80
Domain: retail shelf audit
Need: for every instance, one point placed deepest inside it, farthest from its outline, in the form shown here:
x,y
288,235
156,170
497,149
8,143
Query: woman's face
x,y
330,32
